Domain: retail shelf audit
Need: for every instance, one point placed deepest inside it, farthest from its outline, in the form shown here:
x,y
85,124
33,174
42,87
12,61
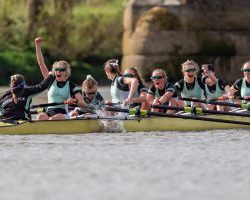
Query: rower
x,y
61,89
161,91
91,96
15,103
139,97
122,88
191,86
242,85
214,88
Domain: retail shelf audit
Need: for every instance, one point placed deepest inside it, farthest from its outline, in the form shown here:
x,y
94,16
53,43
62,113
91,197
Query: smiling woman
x,y
243,84
192,85
61,89
161,91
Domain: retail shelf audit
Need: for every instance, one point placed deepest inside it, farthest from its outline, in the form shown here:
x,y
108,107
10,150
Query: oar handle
x,y
236,105
114,109
167,107
46,105
223,98
69,101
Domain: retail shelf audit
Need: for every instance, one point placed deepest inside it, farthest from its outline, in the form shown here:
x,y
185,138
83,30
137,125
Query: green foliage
x,y
86,34
18,61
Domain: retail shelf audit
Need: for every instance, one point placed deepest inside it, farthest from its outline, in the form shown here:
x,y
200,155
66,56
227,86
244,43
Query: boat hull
x,y
179,124
52,127
115,124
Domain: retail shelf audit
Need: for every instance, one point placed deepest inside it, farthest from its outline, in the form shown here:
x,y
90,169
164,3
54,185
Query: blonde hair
x,y
17,83
189,62
89,83
246,63
63,64
161,71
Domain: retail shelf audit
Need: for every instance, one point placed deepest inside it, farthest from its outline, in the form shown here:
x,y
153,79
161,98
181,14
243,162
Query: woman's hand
x,y
127,101
247,97
38,41
71,101
52,73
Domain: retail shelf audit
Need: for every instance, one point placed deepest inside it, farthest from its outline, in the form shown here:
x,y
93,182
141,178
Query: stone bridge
x,y
165,33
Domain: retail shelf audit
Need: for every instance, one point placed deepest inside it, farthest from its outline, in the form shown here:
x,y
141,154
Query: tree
x,y
34,9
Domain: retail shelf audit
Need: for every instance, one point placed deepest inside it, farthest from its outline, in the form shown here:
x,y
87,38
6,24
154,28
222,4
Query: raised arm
x,y
39,56
211,80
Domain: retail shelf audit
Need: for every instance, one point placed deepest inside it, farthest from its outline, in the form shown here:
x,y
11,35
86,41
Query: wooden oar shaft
x,y
168,107
200,110
46,105
213,102
115,109
158,114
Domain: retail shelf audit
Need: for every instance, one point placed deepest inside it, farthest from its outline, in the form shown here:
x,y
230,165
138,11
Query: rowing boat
x,y
70,126
95,123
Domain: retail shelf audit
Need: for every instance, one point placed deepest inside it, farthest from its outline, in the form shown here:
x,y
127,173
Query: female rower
x,y
191,86
90,95
15,103
217,89
122,88
61,89
242,85
161,91
139,97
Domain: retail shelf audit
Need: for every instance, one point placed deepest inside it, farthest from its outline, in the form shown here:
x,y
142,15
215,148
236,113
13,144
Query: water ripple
x,y
127,166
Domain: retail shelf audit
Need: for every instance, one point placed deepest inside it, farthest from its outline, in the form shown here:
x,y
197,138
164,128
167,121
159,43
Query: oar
x,y
237,105
37,111
10,121
139,112
195,110
89,109
229,97
46,105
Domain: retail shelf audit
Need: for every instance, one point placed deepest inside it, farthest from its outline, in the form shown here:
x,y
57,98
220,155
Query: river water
x,y
126,166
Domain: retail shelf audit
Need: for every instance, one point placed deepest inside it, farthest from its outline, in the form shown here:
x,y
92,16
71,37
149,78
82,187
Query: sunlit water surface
x,y
126,166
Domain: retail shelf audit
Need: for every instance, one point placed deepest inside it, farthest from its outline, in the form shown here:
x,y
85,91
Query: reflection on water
x,y
170,165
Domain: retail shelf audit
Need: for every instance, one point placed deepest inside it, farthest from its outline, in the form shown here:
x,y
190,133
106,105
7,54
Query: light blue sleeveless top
x,y
217,93
57,95
244,90
196,92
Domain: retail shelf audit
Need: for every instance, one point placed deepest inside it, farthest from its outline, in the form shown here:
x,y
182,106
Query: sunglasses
x,y
60,69
190,70
153,78
129,75
245,70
